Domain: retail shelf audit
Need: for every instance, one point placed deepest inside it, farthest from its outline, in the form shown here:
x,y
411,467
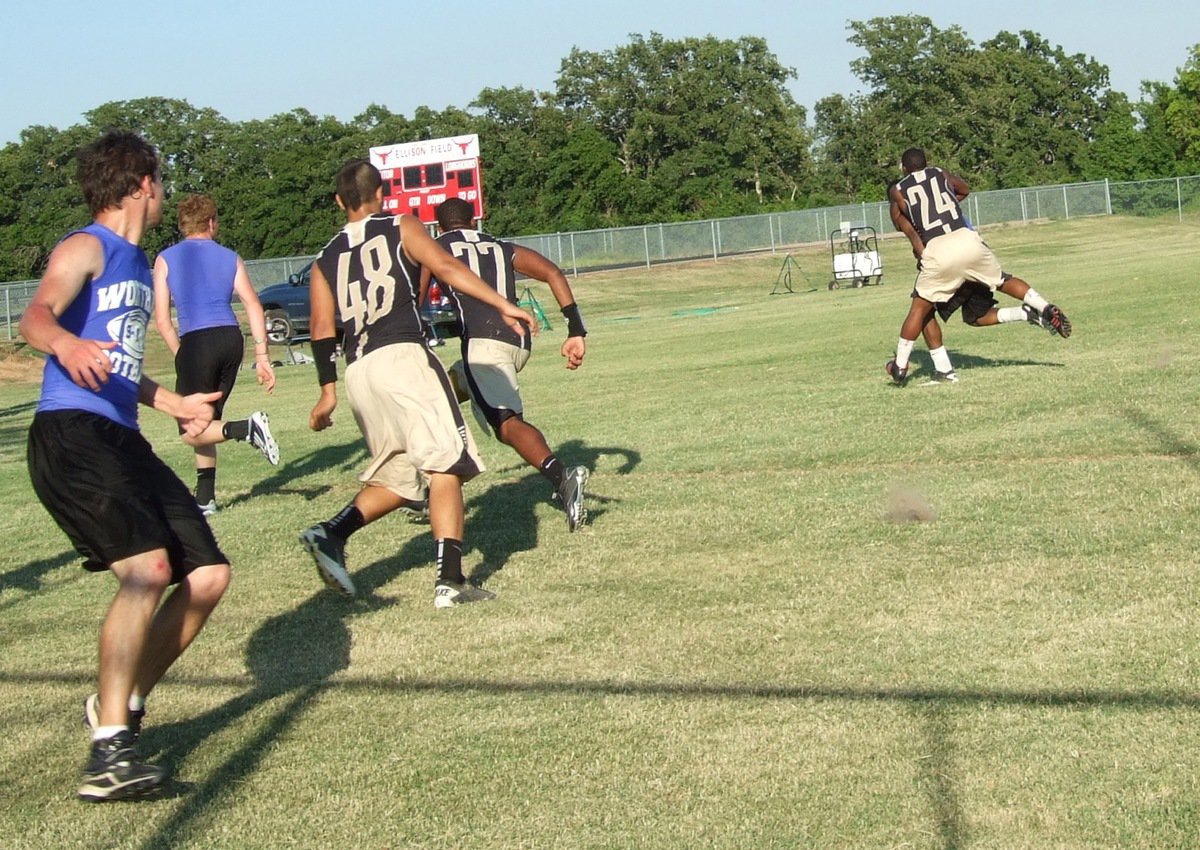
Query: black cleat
x,y
570,493
899,376
114,771
329,553
1056,321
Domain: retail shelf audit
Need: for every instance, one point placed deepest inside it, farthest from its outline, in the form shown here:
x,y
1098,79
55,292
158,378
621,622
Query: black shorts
x,y
209,360
112,496
975,299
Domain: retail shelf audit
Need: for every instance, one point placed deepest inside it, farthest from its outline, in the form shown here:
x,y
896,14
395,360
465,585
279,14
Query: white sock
x,y
101,732
1035,301
1010,314
941,359
903,351
136,702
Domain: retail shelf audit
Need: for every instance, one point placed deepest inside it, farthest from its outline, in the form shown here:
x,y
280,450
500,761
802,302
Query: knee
x,y
208,584
507,430
148,573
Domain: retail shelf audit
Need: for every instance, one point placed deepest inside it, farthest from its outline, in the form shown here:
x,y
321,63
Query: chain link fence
x,y
647,245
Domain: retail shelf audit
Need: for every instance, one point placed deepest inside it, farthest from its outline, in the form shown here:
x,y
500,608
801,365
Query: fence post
x,y
1107,198
1066,209
1024,207
646,242
662,243
713,227
8,311
1179,197
574,261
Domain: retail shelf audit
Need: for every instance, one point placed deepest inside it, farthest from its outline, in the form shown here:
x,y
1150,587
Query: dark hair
x,y
112,168
454,213
913,159
357,182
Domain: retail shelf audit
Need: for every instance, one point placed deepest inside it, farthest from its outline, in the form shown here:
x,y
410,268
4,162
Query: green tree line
x,y
653,130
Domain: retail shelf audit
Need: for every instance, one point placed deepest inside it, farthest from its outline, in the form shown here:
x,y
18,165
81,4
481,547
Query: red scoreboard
x,y
417,176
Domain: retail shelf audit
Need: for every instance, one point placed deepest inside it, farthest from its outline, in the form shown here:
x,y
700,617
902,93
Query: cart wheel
x,y
833,284
858,282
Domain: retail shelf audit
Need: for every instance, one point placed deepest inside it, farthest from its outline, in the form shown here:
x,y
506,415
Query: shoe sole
x,y
268,446
467,597
334,576
132,790
574,522
1063,328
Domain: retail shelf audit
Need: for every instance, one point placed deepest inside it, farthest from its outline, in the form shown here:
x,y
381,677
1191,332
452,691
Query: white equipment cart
x,y
855,251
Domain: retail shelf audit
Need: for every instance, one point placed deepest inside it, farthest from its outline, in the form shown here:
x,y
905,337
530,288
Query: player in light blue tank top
x,y
200,276
201,284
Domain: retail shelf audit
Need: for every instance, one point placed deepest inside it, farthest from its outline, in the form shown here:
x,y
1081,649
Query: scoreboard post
x,y
417,176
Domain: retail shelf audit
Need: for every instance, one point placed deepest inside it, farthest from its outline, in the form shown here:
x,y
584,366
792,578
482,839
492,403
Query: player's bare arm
x,y
957,185
323,331
422,249
162,306
193,412
898,209
426,278
532,264
75,260
258,325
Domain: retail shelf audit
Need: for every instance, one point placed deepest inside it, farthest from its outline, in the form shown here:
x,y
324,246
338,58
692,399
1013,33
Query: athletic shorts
x,y
490,369
112,496
406,409
952,259
208,360
975,299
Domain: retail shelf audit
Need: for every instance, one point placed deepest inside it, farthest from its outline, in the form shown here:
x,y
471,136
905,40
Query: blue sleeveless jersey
x,y
113,306
200,276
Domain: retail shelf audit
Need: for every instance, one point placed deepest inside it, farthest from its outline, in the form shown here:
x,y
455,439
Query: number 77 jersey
x,y
375,285
932,207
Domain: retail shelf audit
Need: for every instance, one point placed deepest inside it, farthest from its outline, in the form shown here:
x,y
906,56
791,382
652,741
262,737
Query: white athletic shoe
x,y
447,595
260,437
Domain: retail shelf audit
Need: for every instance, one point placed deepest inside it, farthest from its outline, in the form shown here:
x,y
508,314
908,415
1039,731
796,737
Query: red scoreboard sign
x,y
417,176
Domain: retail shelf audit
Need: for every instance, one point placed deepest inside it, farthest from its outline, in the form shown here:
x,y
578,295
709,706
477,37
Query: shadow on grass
x,y
1171,443
14,426
29,577
283,666
327,460
974,361
293,656
502,521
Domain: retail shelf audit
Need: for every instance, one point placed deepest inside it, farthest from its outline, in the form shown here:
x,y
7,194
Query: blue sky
x,y
250,60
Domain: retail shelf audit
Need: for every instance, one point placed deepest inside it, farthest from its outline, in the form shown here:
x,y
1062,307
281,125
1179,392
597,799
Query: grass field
x,y
809,609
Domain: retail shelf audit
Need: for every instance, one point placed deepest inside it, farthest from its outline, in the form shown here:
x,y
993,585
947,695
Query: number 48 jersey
x,y
932,207
374,285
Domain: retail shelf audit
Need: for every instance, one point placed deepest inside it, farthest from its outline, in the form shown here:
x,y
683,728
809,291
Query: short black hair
x,y
913,159
112,168
454,213
357,182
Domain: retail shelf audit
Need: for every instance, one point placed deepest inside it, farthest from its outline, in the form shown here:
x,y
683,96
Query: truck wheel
x,y
279,326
